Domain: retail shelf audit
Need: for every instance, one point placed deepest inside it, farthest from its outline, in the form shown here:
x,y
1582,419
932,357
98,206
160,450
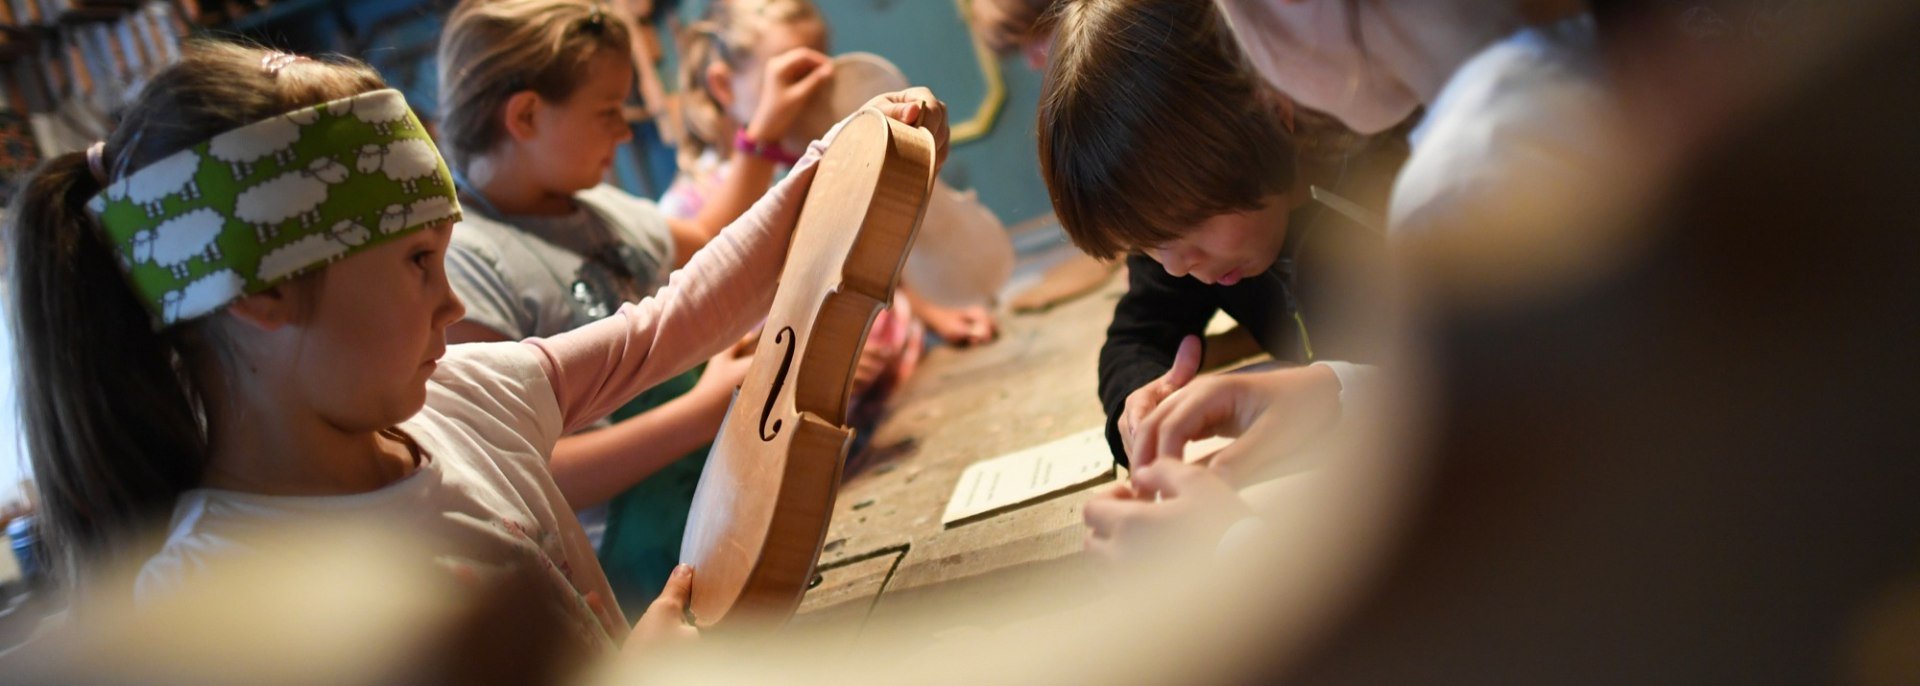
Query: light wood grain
x,y
759,516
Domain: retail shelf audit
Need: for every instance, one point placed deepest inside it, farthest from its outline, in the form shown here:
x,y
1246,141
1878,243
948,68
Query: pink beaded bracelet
x,y
771,152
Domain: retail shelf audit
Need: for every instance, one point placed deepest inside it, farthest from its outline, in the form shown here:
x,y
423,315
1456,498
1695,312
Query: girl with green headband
x,y
234,319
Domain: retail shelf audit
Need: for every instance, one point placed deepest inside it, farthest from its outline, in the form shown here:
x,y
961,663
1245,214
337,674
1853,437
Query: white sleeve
x,y
1355,380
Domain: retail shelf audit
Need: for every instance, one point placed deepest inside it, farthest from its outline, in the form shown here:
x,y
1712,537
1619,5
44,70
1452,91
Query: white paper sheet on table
x,y
1032,474
1028,475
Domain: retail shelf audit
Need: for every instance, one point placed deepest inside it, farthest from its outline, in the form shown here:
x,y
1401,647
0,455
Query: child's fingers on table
x,y
980,325
1189,414
1100,547
1120,490
1144,400
1111,517
1226,461
1186,363
989,328
1140,403
1162,478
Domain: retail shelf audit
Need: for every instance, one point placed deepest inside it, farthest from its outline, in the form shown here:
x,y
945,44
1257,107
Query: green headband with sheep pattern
x,y
255,206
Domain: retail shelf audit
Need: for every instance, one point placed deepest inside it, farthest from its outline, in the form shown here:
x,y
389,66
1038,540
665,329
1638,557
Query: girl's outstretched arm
x,y
724,291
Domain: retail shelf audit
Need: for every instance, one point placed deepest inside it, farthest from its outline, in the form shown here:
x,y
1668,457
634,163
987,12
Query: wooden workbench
x,y
886,550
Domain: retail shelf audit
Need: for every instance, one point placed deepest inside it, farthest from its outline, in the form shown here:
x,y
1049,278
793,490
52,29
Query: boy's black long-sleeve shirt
x,y
1317,266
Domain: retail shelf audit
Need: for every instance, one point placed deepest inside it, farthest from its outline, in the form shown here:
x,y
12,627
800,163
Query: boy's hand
x,y
1193,505
792,79
1143,400
665,623
917,107
1271,414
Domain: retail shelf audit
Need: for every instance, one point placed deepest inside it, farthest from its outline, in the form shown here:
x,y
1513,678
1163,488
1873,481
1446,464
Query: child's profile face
x,y
1226,248
576,139
375,332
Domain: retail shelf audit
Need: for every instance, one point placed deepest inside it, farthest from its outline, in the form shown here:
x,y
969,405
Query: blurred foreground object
x,y
344,602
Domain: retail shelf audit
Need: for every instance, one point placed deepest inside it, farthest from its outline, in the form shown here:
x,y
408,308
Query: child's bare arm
x,y
592,467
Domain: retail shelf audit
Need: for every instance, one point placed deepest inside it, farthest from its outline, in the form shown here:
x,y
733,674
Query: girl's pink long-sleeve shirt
x,y
706,306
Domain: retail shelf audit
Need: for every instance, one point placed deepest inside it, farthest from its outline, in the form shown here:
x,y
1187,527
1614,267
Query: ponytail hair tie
x,y
597,19
96,162
274,61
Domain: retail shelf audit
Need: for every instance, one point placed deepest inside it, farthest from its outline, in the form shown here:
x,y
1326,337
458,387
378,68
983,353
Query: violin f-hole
x,y
786,336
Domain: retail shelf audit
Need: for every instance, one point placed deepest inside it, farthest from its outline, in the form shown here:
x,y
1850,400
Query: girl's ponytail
x,y
113,430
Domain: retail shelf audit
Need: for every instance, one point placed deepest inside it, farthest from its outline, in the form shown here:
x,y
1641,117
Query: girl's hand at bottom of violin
x,y
665,622
917,107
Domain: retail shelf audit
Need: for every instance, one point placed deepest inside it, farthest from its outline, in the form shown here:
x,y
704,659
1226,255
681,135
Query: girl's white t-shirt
x,y
482,493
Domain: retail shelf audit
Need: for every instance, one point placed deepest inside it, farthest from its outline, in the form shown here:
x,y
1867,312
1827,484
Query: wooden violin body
x,y
760,513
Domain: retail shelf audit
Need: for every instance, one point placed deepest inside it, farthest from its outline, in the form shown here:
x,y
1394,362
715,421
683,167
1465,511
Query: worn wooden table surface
x,y
886,550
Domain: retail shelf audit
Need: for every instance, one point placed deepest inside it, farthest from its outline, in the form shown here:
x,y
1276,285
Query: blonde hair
x,y
492,49
730,30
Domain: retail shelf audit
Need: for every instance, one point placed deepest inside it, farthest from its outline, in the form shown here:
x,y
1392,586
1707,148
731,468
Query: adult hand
x,y
792,79
1143,400
1166,503
1271,414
